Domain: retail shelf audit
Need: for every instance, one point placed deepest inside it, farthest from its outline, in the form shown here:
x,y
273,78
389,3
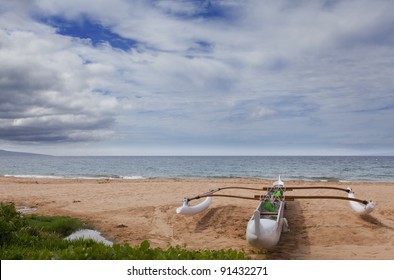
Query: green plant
x,y
59,224
38,237
11,222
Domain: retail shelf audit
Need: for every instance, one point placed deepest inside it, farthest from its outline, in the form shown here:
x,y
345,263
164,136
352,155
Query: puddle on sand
x,y
89,234
25,209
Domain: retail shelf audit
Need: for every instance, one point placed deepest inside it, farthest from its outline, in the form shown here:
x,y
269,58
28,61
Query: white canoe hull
x,y
359,208
262,231
185,209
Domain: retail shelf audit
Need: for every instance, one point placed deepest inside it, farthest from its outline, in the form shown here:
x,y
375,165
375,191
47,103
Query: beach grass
x,y
63,226
41,237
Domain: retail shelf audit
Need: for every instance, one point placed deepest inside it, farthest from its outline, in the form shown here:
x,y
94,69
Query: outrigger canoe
x,y
268,222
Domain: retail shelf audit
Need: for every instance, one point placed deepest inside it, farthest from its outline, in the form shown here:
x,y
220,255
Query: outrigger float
x,y
267,222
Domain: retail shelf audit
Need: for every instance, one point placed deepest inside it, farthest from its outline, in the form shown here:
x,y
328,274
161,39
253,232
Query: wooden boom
x,y
317,188
291,198
286,189
288,198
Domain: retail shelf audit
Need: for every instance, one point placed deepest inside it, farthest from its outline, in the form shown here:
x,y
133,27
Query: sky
x,y
189,77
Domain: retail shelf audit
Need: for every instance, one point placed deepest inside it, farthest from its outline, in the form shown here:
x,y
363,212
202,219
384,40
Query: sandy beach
x,y
134,210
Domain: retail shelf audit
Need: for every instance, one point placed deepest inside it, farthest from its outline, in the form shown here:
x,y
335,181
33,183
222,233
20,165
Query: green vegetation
x,y
39,237
60,225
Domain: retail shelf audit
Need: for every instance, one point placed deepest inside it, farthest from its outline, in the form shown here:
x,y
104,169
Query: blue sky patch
x,y
84,28
207,9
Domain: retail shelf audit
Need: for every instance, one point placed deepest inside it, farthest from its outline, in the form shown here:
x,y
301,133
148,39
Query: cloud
x,y
262,73
47,92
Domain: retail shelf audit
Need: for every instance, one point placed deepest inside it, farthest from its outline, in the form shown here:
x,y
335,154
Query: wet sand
x,y
135,210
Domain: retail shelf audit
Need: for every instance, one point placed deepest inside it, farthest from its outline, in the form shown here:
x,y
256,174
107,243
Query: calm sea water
x,y
375,169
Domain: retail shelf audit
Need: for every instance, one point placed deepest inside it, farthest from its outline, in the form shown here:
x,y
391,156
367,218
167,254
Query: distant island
x,y
10,153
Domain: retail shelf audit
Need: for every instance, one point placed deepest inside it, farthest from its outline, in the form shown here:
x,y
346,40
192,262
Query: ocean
x,y
321,168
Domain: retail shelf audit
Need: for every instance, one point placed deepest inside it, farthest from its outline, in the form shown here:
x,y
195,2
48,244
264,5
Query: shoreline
x,y
137,177
132,210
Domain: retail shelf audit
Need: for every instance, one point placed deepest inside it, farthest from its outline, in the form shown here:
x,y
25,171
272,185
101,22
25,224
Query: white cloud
x,y
46,90
316,73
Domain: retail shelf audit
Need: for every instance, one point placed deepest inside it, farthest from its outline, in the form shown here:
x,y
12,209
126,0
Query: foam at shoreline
x,y
28,176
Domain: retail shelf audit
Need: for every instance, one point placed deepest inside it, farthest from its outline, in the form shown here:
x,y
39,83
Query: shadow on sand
x,y
295,243
204,222
375,222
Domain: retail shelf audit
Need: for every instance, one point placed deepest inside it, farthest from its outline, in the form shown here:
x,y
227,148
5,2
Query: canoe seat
x,y
268,213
